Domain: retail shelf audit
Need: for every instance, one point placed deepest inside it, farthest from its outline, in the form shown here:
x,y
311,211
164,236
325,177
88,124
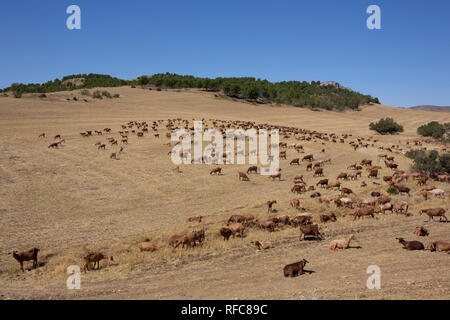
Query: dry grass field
x,y
73,199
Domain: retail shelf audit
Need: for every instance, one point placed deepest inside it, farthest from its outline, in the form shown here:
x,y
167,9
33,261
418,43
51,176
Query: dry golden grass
x,y
74,199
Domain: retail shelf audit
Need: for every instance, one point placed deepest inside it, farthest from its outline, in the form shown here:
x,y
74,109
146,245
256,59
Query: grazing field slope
x,y
74,198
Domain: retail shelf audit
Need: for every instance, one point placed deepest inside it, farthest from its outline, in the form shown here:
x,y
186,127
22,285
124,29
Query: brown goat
x,y
243,176
225,232
26,256
435,212
294,269
253,169
411,245
330,216
175,240
237,229
421,231
439,246
310,230
342,243
300,220
268,224
263,245
195,219
147,246
94,257
217,170
295,203
270,204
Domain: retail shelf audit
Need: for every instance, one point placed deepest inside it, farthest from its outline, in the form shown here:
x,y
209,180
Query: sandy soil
x,y
75,198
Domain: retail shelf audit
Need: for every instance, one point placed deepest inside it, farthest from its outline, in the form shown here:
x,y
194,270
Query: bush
x,y
42,95
430,162
158,89
17,94
392,190
444,162
116,95
431,129
143,80
386,125
106,94
85,92
97,95
133,86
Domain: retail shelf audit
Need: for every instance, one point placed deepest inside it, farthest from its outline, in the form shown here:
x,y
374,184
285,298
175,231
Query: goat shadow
x,y
354,247
309,271
39,265
311,238
438,221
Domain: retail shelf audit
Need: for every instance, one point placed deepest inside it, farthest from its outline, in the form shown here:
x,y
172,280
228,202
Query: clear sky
x,y
405,63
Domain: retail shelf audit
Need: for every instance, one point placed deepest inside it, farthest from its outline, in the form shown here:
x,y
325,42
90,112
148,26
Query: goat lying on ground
x,y
148,246
411,245
439,246
342,243
26,256
294,269
263,245
330,216
421,231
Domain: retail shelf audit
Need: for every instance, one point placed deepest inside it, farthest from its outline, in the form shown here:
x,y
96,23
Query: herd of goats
x,y
378,203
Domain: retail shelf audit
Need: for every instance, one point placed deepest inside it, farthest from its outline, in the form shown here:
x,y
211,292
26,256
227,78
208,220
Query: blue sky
x,y
405,63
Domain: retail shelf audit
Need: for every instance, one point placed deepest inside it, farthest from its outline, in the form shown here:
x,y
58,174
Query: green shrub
x,y
158,89
431,129
386,125
392,190
444,162
97,95
106,94
42,95
85,92
430,162
133,86
116,95
17,94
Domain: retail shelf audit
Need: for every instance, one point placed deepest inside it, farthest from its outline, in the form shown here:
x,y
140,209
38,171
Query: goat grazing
x,y
26,256
435,212
294,269
94,257
310,230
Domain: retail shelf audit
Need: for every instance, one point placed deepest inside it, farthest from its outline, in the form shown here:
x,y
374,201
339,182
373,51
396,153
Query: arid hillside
x,y
75,198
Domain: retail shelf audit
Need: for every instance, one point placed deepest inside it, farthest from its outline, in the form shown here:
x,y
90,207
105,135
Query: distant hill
x,y
432,108
328,95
